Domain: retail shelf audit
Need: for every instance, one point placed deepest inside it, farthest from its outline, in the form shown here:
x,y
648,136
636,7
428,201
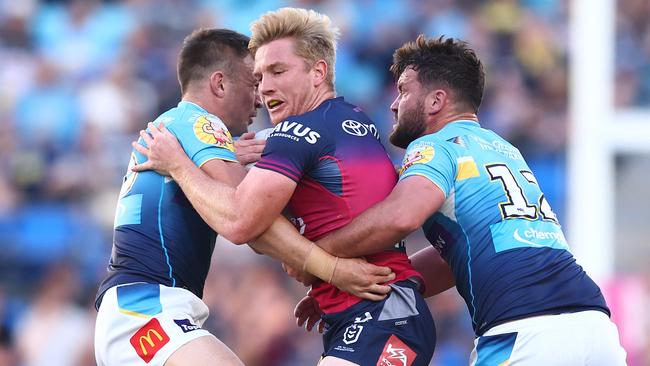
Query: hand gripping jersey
x,y
341,168
158,236
496,229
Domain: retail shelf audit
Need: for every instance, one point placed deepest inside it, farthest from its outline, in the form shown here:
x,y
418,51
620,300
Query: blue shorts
x,y
398,330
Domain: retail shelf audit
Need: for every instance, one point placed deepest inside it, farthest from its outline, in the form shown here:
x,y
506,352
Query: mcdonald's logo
x,y
149,340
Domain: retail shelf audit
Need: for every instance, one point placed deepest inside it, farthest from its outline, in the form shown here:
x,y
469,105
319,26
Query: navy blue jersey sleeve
x,y
293,148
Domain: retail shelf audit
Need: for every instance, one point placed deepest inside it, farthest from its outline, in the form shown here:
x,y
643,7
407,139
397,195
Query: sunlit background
x,y
78,79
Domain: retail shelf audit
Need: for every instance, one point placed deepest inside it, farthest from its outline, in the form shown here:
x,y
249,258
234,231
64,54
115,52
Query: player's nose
x,y
266,87
393,106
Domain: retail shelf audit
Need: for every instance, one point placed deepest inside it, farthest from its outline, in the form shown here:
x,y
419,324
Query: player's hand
x,y
362,279
163,151
248,149
308,313
303,277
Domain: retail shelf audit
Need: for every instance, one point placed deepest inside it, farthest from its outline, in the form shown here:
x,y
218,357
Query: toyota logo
x,y
354,128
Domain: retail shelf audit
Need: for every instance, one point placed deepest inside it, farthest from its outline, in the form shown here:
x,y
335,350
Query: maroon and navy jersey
x,y
334,155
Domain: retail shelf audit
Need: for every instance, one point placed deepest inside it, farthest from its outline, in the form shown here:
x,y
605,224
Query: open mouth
x,y
273,104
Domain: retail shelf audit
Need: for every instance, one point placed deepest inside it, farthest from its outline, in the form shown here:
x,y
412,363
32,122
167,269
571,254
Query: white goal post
x,y
597,132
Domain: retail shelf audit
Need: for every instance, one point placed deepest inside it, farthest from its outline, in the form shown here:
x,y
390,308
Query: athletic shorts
x,y
585,338
398,330
143,323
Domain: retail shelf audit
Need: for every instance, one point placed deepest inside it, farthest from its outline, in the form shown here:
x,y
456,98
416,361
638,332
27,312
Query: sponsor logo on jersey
x,y
359,129
211,131
536,235
186,325
419,154
498,146
295,131
149,340
396,353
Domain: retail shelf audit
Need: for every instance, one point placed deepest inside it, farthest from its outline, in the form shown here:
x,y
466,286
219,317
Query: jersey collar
x,y
456,128
188,104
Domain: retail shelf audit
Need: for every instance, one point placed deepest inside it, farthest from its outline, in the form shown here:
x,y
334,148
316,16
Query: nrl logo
x,y
352,333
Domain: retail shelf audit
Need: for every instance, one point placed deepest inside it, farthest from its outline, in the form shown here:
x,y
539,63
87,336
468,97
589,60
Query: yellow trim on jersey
x,y
133,313
466,168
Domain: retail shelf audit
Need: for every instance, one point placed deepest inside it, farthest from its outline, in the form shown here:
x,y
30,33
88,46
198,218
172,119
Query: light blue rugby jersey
x,y
158,236
496,229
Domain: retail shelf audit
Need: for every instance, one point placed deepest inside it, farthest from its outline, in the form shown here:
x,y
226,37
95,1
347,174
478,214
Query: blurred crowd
x,y
79,78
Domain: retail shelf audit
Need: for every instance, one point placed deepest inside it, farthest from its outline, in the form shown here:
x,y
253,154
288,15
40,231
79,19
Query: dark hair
x,y
443,61
206,49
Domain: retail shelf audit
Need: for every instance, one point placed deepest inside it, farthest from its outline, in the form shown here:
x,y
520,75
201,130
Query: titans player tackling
x,y
485,215
150,308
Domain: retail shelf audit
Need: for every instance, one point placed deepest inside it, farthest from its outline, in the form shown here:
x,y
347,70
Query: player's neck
x,y
446,119
201,102
319,97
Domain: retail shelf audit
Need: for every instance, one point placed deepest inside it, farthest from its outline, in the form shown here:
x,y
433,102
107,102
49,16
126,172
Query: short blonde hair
x,y
314,34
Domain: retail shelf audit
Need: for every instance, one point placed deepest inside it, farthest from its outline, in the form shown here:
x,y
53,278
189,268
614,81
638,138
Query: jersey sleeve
x,y
204,138
430,160
292,149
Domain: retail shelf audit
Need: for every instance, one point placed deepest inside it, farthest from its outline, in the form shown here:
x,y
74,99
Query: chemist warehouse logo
x,y
149,340
295,131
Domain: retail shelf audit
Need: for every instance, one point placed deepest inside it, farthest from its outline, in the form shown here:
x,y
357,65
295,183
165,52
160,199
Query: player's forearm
x,y
376,230
213,200
437,274
282,241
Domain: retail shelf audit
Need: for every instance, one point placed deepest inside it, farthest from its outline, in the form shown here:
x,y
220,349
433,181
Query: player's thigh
x,y
206,350
335,361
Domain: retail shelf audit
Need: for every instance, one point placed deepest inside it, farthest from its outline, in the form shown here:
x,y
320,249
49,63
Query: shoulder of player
x,y
192,125
434,145
311,125
189,114
430,139
172,119
341,110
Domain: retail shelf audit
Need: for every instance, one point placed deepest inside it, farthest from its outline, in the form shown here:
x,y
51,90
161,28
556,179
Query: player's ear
x,y
435,101
319,72
217,84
